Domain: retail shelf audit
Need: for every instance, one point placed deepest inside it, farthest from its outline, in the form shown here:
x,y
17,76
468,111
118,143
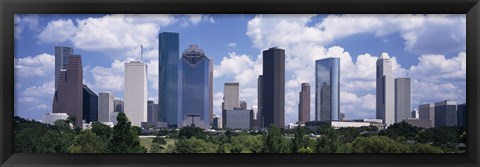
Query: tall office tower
x,y
194,88
90,105
385,90
168,53
446,113
118,104
260,101
105,106
217,122
403,99
69,95
304,104
327,89
136,92
62,54
210,65
243,105
462,114
273,88
152,111
231,95
415,114
427,112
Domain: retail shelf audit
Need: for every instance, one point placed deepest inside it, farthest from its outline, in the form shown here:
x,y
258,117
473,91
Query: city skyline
x,y
240,51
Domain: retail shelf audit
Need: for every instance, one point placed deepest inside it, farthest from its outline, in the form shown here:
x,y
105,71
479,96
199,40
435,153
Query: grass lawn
x,y
147,142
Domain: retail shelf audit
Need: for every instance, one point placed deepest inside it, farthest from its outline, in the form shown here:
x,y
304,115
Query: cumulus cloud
x,y
25,22
232,44
42,65
57,31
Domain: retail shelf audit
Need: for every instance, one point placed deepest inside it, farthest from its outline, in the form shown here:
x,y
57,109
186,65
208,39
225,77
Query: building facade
x,y
327,89
385,97
231,95
415,114
135,92
243,105
304,104
446,113
217,122
260,101
194,88
105,106
50,118
168,55
119,105
273,88
462,114
152,112
403,99
238,119
62,54
90,105
68,97
427,112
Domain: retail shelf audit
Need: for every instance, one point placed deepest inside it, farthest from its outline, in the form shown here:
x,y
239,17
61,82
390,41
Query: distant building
x,y
260,100
402,99
446,113
119,105
273,88
90,105
385,90
462,114
327,89
136,92
194,88
423,123
168,55
151,112
243,105
154,125
50,118
342,116
336,124
68,98
62,54
105,106
238,119
415,114
304,104
113,117
427,112
217,122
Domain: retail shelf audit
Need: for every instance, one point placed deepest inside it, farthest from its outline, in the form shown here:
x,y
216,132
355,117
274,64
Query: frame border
x,y
10,7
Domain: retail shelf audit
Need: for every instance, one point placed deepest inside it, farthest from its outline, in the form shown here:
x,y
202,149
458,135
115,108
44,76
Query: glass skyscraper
x,y
273,95
327,89
168,55
193,88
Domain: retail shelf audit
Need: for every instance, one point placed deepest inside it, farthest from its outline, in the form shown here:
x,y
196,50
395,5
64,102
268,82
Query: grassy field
x,y
147,142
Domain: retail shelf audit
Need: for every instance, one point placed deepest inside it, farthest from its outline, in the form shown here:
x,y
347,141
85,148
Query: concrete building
x,y
151,111
336,124
327,89
385,97
118,105
462,114
273,88
243,105
217,122
105,106
415,114
231,95
50,118
427,112
113,117
260,101
210,87
62,54
238,119
446,113
403,99
304,104
136,92
68,97
168,55
90,105
194,88
423,123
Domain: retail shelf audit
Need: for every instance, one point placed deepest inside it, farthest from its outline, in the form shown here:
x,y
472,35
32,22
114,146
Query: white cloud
x,y
24,22
57,31
42,65
108,78
232,44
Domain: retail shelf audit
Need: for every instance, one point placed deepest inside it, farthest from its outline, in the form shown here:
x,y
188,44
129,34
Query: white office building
x,y
385,90
50,118
105,106
136,92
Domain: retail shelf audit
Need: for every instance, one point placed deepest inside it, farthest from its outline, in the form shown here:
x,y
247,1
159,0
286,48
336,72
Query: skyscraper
x,y
105,106
135,92
168,53
231,95
385,90
152,111
304,104
427,112
119,105
273,96
462,114
68,97
402,99
243,105
260,101
62,54
194,88
90,105
327,89
210,65
446,113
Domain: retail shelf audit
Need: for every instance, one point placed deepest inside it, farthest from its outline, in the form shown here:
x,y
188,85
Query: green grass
x,y
147,142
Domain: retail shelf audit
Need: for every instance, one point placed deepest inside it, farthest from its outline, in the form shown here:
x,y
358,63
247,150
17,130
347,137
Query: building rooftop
x,y
384,56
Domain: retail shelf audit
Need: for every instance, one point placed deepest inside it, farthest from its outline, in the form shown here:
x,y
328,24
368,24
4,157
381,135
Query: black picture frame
x,y
10,7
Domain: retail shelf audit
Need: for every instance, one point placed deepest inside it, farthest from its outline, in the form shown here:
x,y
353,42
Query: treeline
x,y
35,137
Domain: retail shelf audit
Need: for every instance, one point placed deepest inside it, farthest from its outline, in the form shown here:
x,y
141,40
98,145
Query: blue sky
x,y
428,48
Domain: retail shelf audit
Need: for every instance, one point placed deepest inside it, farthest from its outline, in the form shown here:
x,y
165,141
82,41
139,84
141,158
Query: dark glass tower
x,y
273,88
168,55
304,104
90,105
327,89
194,88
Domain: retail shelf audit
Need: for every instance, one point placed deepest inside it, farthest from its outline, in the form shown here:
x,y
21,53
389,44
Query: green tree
x,y
246,144
124,138
188,132
424,148
274,141
299,140
378,144
328,141
88,142
102,130
401,130
194,145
